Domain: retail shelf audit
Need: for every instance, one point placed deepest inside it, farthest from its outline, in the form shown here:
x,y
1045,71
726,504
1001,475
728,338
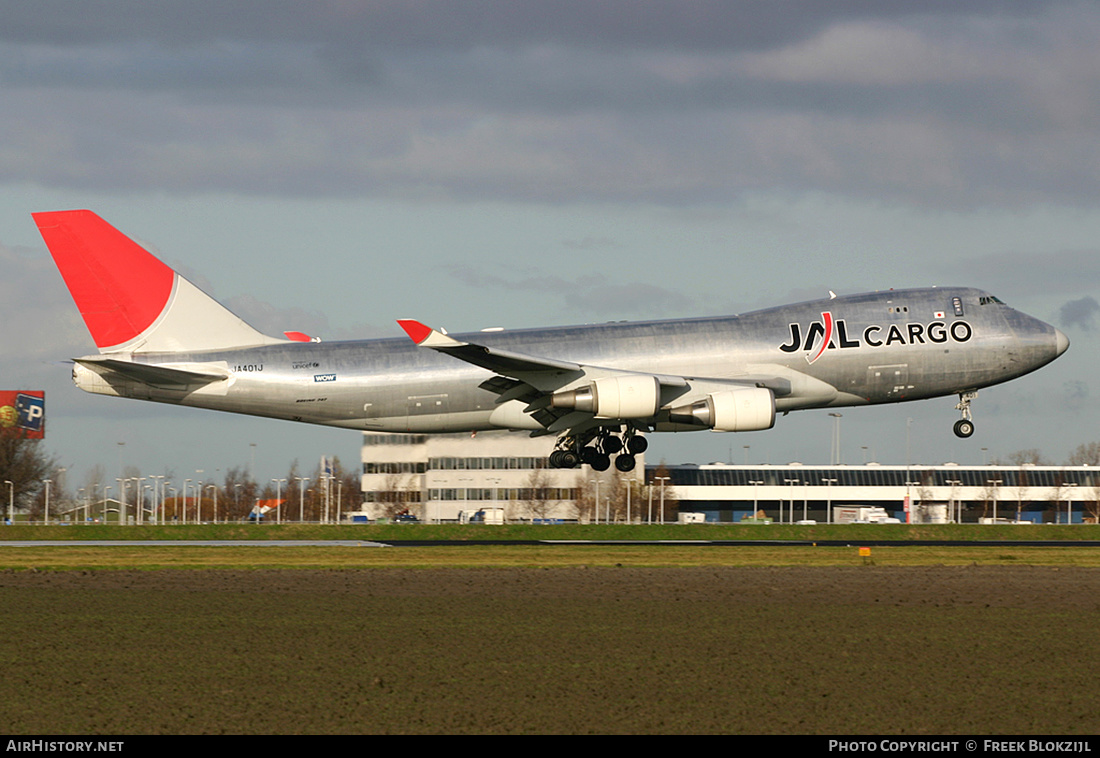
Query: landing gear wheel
x,y
637,445
624,462
600,462
964,428
563,459
589,455
610,444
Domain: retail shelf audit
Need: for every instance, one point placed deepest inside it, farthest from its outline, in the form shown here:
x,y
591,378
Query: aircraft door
x,y
425,413
889,382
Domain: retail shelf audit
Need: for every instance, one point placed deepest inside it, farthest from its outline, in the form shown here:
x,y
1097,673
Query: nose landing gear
x,y
964,427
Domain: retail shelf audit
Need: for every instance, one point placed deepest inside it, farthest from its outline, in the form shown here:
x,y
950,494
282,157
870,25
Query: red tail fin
x,y
131,301
119,288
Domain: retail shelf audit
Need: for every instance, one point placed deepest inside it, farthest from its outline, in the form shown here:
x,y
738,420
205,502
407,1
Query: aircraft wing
x,y
554,373
542,374
534,380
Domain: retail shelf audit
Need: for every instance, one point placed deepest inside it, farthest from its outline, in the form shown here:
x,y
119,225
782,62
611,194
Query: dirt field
x,y
861,650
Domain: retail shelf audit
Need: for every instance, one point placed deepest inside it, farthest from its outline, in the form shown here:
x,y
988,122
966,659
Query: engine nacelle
x,y
631,396
750,409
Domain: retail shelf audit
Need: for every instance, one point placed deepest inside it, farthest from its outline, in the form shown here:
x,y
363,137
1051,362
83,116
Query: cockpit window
x,y
987,299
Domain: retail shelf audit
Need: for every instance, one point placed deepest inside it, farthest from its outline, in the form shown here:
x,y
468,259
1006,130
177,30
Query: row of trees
x,y
38,484
1017,491
1085,454
34,481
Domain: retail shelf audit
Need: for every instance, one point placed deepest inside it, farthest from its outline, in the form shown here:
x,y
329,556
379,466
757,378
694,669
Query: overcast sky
x,y
334,165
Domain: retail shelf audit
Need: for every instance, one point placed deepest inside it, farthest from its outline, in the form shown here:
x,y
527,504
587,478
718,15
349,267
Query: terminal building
x,y
912,494
450,477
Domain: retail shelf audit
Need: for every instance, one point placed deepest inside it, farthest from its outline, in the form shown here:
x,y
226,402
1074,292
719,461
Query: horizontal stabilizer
x,y
160,376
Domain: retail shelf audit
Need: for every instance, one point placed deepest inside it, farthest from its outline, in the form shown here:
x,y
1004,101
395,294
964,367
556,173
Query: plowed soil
x,y
862,650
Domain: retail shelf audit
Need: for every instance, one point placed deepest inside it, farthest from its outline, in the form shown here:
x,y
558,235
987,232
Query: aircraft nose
x,y
1061,341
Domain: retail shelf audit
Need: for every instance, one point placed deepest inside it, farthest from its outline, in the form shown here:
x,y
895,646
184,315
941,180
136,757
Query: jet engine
x,y
630,396
742,410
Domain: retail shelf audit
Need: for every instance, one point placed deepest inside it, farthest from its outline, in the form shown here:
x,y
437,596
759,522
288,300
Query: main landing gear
x,y
964,427
574,449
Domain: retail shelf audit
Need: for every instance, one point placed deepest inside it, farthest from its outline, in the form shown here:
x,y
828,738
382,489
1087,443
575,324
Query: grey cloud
x,y
720,24
1075,395
556,102
43,323
1011,273
588,244
589,296
1080,313
274,320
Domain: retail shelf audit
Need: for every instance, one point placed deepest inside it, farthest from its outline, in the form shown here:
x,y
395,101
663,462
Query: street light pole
x,y
662,480
121,500
956,511
302,497
596,501
626,481
185,483
139,492
993,484
791,482
278,499
829,499
755,495
836,438
158,498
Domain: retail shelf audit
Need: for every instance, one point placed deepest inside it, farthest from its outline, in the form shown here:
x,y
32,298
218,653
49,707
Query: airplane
x,y
600,388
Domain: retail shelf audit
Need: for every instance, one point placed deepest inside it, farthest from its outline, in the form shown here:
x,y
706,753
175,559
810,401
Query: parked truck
x,y
862,514
482,516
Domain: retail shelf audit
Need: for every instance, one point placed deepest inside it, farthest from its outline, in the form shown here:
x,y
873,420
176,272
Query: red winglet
x,y
119,288
298,336
417,332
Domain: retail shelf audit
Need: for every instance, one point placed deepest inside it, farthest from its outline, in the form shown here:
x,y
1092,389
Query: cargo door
x,y
424,413
888,382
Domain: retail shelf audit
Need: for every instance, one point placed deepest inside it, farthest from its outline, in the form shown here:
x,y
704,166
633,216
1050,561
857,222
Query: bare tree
x,y
240,492
1085,454
671,504
1092,502
1022,457
584,504
26,464
987,494
924,494
536,500
624,497
399,494
1020,488
95,479
1057,497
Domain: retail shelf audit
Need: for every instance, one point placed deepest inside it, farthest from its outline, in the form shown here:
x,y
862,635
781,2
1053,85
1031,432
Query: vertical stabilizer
x,y
130,300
